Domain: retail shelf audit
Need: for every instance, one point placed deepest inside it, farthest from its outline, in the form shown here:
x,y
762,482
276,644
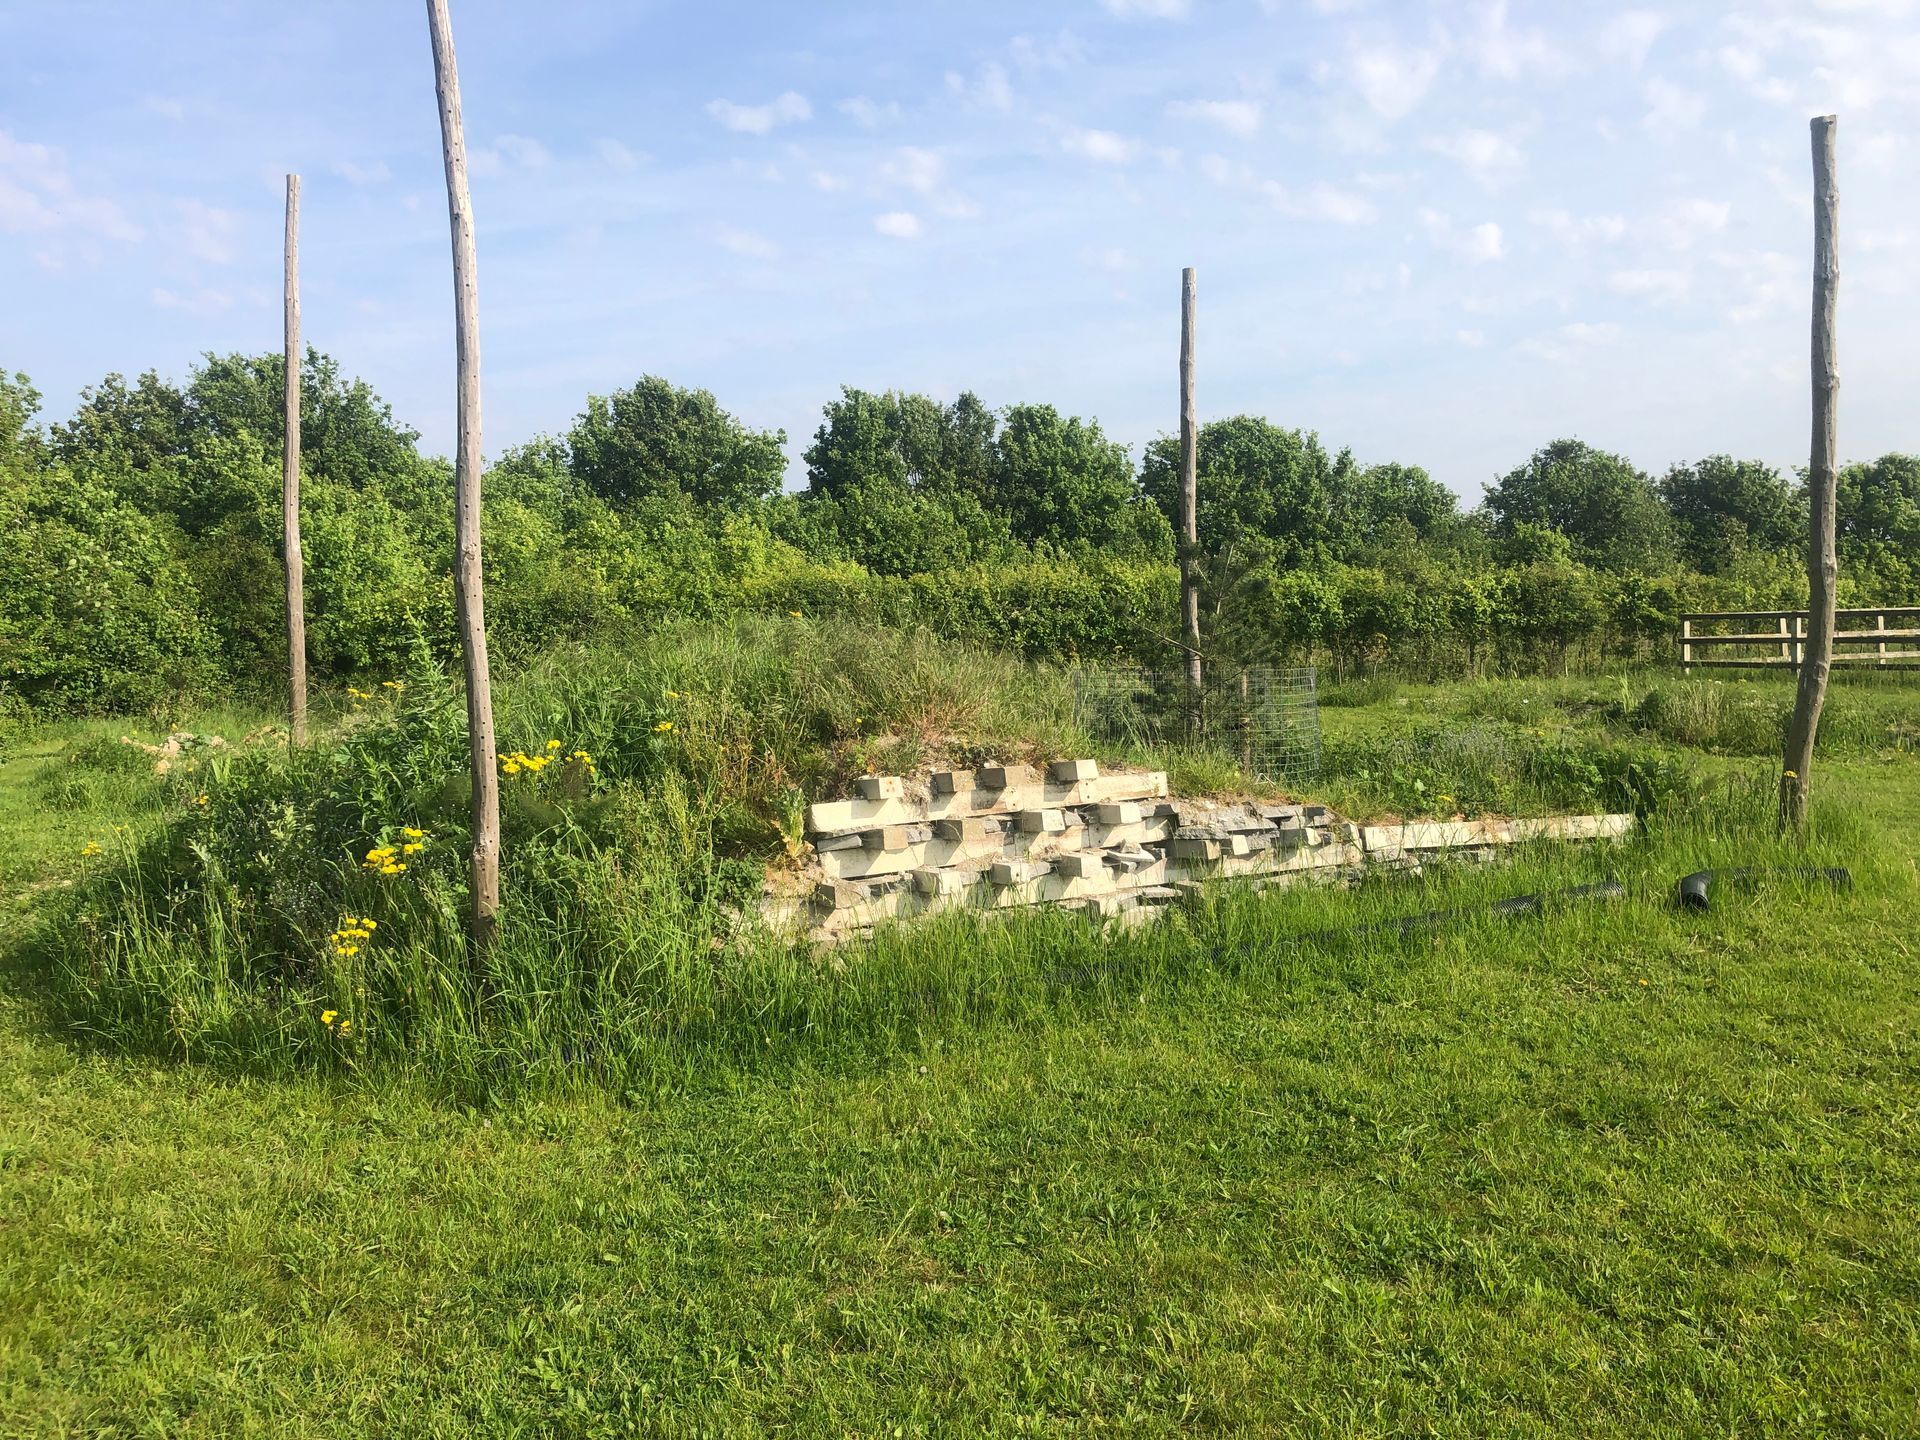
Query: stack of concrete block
x,y
1115,845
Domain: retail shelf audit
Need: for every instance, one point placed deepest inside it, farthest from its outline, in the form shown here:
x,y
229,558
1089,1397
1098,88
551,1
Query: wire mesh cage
x,y
1265,717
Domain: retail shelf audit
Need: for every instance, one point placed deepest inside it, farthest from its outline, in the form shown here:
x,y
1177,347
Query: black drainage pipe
x,y
1694,891
1608,889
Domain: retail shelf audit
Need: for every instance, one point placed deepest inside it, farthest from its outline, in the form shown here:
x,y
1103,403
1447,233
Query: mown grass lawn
x,y
1620,1171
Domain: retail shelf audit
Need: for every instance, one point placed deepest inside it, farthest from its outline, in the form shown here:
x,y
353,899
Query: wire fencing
x,y
1266,717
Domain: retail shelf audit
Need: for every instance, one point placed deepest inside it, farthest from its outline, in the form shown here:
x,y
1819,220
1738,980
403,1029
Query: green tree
x,y
1723,508
1264,492
1060,481
1608,510
654,440
1878,520
21,446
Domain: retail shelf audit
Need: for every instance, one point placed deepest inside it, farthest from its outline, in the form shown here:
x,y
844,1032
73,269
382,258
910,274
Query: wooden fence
x,y
1776,639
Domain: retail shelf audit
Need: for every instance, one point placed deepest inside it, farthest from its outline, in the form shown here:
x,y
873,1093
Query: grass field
x,y
1620,1171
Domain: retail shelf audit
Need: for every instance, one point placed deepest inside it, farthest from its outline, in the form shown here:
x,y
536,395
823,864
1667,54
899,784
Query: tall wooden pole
x,y
1796,779
467,574
1189,502
290,481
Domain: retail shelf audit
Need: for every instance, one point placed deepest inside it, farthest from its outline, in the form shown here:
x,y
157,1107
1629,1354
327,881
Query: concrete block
x,y
834,817
1156,895
1190,847
833,895
952,782
943,882
968,831
1002,777
826,844
1127,812
887,837
1236,846
880,787
1017,872
1130,861
1042,822
1081,865
1072,772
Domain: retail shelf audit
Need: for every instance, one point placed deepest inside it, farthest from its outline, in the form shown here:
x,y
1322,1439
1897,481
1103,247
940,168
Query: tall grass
x,y
630,952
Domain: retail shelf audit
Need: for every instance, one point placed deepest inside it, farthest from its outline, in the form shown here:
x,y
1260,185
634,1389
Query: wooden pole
x,y
1823,567
467,572
1189,502
290,480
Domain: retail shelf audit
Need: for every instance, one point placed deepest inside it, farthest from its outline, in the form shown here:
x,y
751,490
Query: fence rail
x,y
1860,640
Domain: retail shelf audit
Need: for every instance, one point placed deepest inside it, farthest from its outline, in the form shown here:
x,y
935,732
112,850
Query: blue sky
x,y
1439,233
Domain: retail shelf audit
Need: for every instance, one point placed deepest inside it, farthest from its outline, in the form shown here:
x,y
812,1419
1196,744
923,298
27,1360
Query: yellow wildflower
x,y
345,1026
795,614
412,847
663,727
327,1017
93,848
413,834
201,801
553,744
512,767
393,867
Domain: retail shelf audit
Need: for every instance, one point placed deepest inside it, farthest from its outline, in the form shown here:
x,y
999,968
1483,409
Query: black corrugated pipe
x,y
1694,891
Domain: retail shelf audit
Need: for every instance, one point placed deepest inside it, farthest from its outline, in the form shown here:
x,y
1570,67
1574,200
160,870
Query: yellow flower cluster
x,y
93,848
663,727
342,1028
390,859
352,934
518,762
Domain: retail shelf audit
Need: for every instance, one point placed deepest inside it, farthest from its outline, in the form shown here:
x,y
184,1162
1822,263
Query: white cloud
x,y
527,153
990,89
357,174
868,114
1505,53
787,109
37,195
1472,339
1236,117
1574,234
1570,342
899,224
1631,34
1147,9
1491,159
1392,81
616,155
1059,51
914,168
1317,202
1658,285
1672,107
1686,222
1103,147
200,302
206,231
827,181
1477,244
166,107
1765,280
1321,202
747,243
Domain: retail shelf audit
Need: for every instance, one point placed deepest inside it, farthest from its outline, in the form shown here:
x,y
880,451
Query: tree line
x,y
142,560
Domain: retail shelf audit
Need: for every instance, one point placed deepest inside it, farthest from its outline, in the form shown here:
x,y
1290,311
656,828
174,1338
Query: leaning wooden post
x,y
290,480
467,574
1822,565
1189,505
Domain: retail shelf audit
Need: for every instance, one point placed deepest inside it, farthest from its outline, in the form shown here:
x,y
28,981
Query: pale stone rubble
x,y
1111,846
